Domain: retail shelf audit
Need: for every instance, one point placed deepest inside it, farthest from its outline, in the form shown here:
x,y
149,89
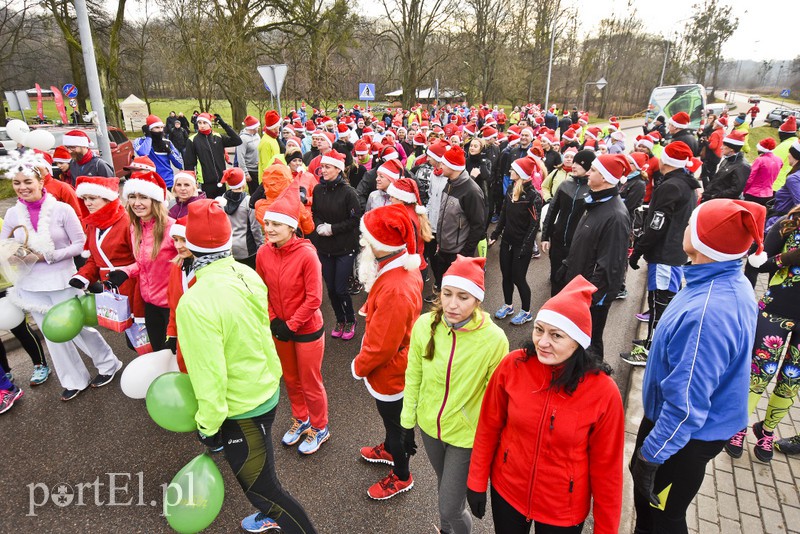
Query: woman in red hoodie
x,y
291,269
181,278
551,433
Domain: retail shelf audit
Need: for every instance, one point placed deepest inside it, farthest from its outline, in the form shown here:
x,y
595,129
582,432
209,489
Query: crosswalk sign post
x,y
366,91
785,94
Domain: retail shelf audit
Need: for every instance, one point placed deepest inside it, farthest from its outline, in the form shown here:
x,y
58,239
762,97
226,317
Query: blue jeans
x,y
337,270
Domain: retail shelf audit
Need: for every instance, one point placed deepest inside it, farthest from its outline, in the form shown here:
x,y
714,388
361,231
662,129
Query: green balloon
x,y
194,497
64,321
89,309
171,402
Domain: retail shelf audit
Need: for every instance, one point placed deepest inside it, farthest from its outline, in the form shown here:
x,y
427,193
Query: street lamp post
x,y
600,84
664,67
550,64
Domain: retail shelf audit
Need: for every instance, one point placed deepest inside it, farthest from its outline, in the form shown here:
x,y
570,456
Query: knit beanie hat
x,y
584,158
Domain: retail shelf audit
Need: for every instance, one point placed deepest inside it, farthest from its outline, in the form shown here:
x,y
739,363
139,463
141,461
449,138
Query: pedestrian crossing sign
x,y
785,93
366,91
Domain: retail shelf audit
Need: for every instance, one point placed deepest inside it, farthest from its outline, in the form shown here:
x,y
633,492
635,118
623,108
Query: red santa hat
x,y
389,229
694,165
455,159
333,158
310,126
190,175
583,119
141,163
645,141
342,129
405,190
419,139
677,154
327,138
618,136
234,177
436,150
487,132
680,120
612,166
388,153
471,129
788,126
149,184
76,138
361,148
61,155
251,122
153,121
639,160
571,150
286,208
45,157
205,117
526,167
490,120
724,229
466,274
271,119
208,228
97,186
178,228
569,135
569,310
735,138
721,122
392,169
765,145
513,139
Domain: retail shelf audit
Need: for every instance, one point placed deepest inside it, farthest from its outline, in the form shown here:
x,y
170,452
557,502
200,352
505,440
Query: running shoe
x,y
504,311
636,357
355,288
8,397
69,394
259,522
763,448
622,295
349,331
337,330
315,437
521,318
40,374
735,445
390,486
9,377
495,219
377,455
643,317
788,445
296,432
101,380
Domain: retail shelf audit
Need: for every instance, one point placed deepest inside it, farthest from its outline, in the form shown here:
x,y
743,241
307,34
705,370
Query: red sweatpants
x,y
302,374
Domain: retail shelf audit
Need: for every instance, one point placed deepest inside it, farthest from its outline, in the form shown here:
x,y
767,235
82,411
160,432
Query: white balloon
x,y
40,139
141,372
16,130
10,315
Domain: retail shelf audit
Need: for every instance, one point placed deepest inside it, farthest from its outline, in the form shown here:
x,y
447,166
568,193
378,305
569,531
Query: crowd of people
x,y
405,207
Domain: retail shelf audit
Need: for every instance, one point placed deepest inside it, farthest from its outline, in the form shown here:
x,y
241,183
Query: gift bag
x,y
137,335
113,311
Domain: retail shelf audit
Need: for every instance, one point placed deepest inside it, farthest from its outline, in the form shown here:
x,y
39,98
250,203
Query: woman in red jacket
x,y
551,430
292,272
181,278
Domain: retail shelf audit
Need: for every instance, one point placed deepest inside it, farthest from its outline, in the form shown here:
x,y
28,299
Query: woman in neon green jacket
x,y
454,350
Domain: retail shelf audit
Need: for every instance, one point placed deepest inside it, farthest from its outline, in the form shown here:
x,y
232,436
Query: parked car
x,y
753,99
716,109
5,141
121,147
776,117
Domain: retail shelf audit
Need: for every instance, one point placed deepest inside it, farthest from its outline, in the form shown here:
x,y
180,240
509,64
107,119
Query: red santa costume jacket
x,y
393,305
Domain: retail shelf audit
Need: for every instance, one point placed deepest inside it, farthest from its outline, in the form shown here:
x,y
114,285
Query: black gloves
x,y
280,330
633,261
477,503
644,477
117,278
212,442
172,344
218,118
95,287
77,283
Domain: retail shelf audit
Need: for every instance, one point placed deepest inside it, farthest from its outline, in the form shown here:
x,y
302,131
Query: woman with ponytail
x,y
453,352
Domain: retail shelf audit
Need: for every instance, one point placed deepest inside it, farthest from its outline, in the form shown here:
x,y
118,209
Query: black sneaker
x,y
101,380
763,448
69,394
735,445
355,288
636,357
788,445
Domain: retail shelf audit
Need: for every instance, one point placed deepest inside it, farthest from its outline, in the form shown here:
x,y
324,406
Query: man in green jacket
x,y
224,336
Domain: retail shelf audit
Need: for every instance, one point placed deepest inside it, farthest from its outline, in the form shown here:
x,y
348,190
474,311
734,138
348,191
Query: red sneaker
x,y
377,455
389,487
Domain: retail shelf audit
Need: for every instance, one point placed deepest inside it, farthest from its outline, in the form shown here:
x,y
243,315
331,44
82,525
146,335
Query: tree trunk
x,y
238,109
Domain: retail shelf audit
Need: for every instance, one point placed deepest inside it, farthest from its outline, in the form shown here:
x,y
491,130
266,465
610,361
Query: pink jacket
x,y
153,274
763,172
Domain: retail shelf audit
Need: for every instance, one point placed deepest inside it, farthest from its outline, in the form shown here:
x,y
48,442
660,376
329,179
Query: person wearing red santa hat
x,y
325,142
336,211
269,146
247,157
788,196
153,249
695,384
763,172
713,152
205,153
61,161
550,479
732,172
678,127
158,148
599,247
453,353
292,272
518,224
61,191
787,135
247,233
389,270
186,191
387,174
84,161
404,191
219,338
181,278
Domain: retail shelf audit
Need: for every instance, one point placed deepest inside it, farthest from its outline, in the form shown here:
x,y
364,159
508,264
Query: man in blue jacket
x,y
155,145
698,371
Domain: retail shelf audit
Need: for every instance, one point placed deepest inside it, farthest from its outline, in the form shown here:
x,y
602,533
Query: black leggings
x,y
398,441
156,320
685,471
599,315
657,300
507,520
441,262
337,270
515,271
248,450
558,253
30,342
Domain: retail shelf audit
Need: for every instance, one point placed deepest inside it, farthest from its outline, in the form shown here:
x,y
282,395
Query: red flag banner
x,y
39,110
59,103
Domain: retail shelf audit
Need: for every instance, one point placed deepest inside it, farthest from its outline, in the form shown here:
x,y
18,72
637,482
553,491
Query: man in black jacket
x,y
678,128
563,215
207,149
600,245
733,171
661,244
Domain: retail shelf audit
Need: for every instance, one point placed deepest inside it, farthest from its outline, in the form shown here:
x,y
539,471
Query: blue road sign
x,y
785,93
366,91
70,91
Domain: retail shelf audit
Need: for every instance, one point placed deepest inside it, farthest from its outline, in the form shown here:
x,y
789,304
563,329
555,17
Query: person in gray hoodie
x,y
247,235
247,152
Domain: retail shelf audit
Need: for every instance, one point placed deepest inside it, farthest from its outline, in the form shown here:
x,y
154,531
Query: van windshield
x,y
669,100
